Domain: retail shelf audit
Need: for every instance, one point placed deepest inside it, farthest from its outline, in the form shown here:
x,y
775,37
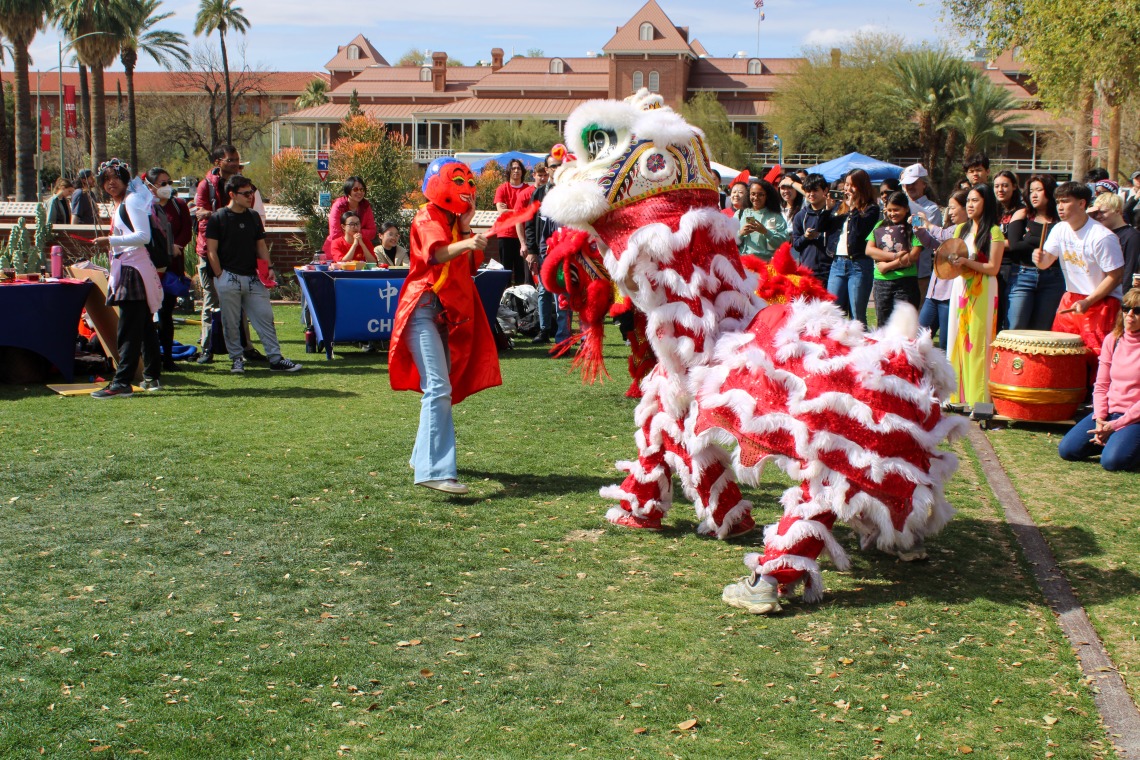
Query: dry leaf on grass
x,y
686,725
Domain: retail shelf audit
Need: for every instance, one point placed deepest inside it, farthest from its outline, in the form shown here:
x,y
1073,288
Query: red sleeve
x,y
336,232
431,235
523,197
337,248
501,194
184,228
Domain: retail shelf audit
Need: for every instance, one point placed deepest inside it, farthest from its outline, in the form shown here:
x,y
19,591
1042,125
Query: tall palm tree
x,y
316,94
5,157
97,28
163,46
983,116
924,90
19,22
221,16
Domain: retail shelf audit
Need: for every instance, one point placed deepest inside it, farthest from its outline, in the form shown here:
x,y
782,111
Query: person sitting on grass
x,y
350,246
1112,430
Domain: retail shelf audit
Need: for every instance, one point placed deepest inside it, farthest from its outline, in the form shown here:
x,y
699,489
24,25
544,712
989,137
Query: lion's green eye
x,y
598,140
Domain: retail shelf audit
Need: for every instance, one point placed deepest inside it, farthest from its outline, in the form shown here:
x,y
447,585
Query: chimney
x,y
496,59
836,57
438,72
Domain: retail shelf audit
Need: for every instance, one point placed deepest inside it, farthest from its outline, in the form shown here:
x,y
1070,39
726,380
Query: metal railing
x,y
1018,165
426,155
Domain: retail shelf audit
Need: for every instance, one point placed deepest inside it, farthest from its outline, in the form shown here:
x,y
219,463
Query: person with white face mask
x,y
172,216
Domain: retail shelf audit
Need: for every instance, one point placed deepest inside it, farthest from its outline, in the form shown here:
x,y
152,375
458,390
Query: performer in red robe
x,y
441,343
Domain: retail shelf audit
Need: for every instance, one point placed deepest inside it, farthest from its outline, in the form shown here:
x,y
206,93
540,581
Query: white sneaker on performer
x,y
752,594
451,486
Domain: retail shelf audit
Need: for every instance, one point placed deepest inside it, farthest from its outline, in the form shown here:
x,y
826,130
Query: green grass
x,y
241,567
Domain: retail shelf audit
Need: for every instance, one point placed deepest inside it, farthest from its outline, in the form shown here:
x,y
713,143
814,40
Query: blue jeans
x,y
547,302
1122,452
850,282
433,456
1034,296
562,320
935,316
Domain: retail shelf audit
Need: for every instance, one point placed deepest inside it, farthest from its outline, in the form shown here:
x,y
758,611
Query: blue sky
x,y
301,35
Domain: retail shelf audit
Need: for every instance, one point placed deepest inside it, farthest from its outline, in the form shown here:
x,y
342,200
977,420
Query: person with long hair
x,y
1010,209
352,199
351,245
134,285
1034,292
895,250
852,271
973,297
513,195
59,205
935,312
762,228
1111,430
791,200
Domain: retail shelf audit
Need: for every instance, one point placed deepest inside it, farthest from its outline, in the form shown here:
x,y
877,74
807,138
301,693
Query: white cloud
x,y
837,37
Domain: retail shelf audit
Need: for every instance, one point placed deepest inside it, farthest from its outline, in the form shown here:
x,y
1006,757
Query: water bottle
x,y
57,261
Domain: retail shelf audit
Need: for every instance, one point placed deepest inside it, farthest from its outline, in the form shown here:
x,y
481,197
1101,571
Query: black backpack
x,y
158,247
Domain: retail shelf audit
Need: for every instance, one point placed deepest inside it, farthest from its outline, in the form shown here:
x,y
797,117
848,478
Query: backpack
x,y
158,247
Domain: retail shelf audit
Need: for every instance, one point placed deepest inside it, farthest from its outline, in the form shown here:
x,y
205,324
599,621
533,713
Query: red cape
x,y
471,347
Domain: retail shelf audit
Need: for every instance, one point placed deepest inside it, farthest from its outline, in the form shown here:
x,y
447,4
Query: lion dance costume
x,y
855,417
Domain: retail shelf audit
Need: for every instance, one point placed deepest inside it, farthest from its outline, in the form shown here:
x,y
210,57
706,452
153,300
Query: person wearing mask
x,y
209,198
513,195
84,209
350,246
1108,210
134,285
59,205
235,242
935,312
1010,209
352,199
762,228
172,216
1093,265
1034,293
809,226
396,254
974,293
1111,430
852,271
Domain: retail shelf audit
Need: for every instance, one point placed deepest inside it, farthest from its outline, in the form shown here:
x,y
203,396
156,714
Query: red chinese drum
x,y
1038,376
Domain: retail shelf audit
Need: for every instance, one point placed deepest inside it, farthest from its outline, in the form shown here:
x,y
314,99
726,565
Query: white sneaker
x,y
752,594
451,486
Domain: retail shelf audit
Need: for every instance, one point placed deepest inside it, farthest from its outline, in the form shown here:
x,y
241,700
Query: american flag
x,y
758,4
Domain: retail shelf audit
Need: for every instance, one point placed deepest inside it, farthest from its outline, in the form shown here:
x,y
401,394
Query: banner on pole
x,y
70,114
45,130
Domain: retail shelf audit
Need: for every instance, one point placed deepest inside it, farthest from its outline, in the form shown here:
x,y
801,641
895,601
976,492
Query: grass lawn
x,y
1089,518
241,567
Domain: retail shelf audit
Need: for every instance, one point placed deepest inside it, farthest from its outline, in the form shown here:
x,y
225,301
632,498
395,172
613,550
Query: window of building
x,y
257,108
645,33
243,107
654,81
425,74
755,66
280,109
638,80
557,65
353,53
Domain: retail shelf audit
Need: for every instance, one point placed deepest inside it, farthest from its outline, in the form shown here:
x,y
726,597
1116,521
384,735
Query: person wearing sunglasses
x,y
235,242
1111,430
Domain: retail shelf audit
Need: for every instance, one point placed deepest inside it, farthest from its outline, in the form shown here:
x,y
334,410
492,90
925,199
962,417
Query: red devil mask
x,y
453,188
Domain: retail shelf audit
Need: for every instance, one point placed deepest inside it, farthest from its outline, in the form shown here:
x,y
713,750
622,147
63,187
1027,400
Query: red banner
x,y
70,115
45,130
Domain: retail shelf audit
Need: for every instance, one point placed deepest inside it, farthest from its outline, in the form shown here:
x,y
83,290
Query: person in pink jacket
x,y
1112,430
352,200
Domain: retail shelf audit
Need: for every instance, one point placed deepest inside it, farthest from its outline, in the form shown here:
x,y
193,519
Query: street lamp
x,y
780,147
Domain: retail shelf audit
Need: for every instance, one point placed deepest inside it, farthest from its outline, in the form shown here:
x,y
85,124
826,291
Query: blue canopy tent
x,y
505,158
876,169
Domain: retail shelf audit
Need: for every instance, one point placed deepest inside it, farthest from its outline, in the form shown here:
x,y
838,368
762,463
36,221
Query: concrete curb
x,y
1121,717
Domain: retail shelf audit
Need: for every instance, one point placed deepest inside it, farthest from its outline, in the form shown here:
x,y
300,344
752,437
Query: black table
x,y
43,317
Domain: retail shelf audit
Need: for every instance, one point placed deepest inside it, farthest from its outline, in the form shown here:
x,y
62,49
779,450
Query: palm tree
x,y
97,28
161,45
221,16
924,90
19,22
983,116
5,157
315,94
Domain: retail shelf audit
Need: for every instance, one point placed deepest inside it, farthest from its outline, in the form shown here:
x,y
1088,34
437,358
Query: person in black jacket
x,y
1108,210
852,271
553,322
809,228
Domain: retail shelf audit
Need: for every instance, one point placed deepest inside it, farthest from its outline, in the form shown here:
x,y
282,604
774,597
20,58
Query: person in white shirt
x,y
913,181
1093,264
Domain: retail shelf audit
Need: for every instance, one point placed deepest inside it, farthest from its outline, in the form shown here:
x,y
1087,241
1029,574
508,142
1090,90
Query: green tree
x,y
221,16
835,106
19,22
368,149
316,94
97,28
535,53
354,104
982,116
413,57
499,136
703,110
163,47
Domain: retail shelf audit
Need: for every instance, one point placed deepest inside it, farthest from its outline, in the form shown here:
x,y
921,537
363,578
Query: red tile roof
x,y
510,108
369,56
747,110
329,112
667,37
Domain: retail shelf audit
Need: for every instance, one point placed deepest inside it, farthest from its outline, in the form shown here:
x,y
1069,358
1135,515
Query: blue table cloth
x,y
43,317
361,306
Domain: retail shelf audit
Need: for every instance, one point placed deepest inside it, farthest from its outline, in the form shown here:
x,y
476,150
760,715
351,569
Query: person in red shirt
x,y
513,195
441,343
350,246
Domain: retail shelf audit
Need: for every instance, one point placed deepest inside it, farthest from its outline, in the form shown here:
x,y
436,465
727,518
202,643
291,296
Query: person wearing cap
x,y
914,182
83,206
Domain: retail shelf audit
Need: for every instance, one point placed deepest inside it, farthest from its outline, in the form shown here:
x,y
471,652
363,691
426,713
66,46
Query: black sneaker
x,y
114,391
151,385
540,339
253,355
238,367
207,357
284,365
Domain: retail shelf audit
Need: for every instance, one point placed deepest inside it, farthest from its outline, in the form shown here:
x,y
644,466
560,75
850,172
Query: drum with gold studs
x,y
1037,375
